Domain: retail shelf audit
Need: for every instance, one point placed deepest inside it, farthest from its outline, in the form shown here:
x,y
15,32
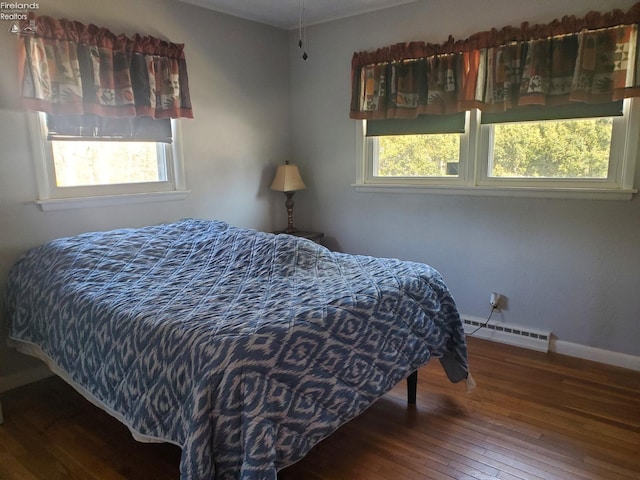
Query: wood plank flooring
x,y
532,416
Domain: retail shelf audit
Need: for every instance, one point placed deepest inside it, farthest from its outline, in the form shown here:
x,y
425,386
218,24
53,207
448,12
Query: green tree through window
x,y
417,155
549,149
552,149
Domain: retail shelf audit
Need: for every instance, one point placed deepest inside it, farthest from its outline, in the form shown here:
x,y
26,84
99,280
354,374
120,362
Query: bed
x,y
243,348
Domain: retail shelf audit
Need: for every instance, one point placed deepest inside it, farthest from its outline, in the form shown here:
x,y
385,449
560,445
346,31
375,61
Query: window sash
x,y
163,156
466,157
485,179
474,164
51,197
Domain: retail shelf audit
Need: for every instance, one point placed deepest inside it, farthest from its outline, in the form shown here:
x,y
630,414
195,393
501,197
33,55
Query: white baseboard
x,y
623,360
9,382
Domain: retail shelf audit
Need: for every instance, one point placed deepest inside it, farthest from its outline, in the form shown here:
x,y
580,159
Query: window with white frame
x,y
550,110
98,167
110,134
591,153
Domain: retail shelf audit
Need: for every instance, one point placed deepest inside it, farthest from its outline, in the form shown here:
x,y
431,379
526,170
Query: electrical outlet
x,y
494,299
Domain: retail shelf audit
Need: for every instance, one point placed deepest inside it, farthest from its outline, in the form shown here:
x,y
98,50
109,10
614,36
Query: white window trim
x,y
473,178
51,197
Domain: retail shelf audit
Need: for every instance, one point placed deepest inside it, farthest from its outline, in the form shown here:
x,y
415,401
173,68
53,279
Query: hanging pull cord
x,y
302,33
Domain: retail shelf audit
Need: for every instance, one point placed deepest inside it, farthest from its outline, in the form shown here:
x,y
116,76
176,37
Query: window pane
x,y
432,155
552,149
79,163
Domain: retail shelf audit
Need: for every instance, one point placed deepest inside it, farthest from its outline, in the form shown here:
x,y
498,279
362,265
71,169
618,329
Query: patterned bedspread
x,y
244,348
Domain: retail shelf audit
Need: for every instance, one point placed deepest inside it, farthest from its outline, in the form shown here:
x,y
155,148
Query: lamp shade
x,y
287,179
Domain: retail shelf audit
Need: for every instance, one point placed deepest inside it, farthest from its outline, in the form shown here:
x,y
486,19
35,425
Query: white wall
x,y
571,266
239,83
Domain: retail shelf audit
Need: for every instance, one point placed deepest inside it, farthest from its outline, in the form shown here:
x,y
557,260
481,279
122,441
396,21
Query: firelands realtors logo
x,y
16,13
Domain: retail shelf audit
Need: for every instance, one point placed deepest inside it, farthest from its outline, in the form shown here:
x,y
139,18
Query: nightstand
x,y
315,236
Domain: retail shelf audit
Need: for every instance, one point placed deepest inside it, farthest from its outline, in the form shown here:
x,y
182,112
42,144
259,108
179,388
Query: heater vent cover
x,y
517,335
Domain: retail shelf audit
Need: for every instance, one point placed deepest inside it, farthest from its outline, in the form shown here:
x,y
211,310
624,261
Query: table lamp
x,y
288,180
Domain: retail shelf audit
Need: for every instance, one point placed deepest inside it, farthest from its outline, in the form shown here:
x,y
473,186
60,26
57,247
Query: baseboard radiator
x,y
518,335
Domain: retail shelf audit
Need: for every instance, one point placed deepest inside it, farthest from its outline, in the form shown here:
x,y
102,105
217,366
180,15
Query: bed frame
x,y
412,388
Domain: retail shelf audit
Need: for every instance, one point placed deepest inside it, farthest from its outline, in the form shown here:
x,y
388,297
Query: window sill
x,y
532,192
110,200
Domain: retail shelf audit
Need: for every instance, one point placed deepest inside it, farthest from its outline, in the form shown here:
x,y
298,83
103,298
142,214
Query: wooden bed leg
x,y
412,387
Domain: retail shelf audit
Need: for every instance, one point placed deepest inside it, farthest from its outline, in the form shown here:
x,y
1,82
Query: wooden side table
x,y
315,236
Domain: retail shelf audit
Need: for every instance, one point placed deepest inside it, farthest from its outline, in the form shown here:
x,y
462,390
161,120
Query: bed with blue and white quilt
x,y
243,348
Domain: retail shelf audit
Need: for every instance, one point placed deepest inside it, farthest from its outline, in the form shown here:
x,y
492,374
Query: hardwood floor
x,y
531,416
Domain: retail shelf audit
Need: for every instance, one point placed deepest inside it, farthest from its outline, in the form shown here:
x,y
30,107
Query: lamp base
x,y
289,204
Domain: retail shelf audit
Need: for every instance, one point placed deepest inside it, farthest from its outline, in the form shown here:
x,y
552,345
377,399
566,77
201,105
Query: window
x,y
547,94
569,149
422,155
91,163
79,171
585,155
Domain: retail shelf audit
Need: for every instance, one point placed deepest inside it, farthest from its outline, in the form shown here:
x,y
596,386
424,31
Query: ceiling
x,y
286,13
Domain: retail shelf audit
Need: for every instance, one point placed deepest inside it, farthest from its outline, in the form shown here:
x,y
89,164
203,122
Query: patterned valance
x,y
588,60
73,69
